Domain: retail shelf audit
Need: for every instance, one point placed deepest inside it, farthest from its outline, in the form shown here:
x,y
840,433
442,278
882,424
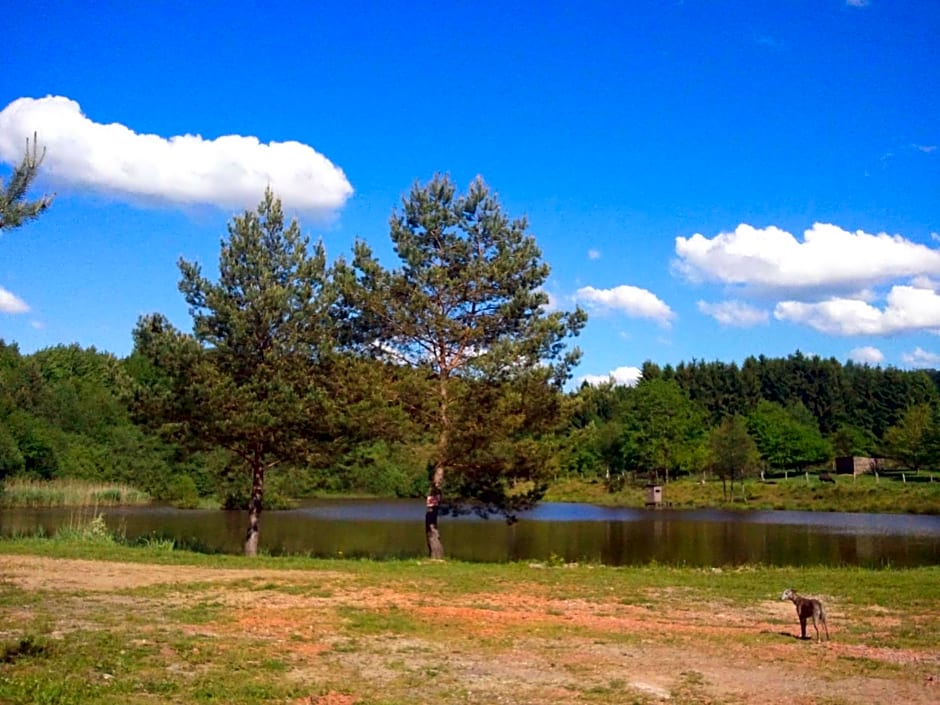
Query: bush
x,y
182,492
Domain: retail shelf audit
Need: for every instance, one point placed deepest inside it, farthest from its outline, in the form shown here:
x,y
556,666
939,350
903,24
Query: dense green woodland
x,y
793,413
71,412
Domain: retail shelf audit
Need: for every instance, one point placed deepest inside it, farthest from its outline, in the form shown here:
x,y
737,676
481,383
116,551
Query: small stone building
x,y
856,465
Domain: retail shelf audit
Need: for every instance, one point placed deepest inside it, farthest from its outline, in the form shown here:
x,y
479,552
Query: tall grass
x,y
88,530
19,492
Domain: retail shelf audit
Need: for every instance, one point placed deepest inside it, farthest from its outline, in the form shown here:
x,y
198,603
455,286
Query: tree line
x,y
767,414
68,411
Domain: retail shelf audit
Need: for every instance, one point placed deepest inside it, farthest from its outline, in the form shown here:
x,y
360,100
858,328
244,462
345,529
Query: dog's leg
x,y
822,618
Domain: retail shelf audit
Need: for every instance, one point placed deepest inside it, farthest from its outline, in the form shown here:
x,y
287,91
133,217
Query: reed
x,y
20,492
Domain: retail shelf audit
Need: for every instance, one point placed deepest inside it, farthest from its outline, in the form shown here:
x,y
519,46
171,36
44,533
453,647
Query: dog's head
x,y
788,594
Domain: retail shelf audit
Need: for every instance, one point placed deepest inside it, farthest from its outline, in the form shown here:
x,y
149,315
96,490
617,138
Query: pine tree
x,y
15,210
251,377
467,308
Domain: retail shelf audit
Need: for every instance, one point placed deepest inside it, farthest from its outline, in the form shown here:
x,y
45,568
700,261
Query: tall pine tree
x,y
467,308
251,377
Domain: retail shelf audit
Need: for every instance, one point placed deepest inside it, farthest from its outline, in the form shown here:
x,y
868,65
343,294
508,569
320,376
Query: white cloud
x,y
594,254
867,354
230,171
734,313
924,283
926,148
857,3
907,309
921,358
828,258
631,300
626,376
10,303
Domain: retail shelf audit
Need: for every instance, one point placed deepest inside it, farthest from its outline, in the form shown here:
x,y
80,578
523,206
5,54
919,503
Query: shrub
x,y
92,530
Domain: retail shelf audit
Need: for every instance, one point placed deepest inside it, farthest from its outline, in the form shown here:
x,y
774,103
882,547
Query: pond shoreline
x,y
839,493
916,495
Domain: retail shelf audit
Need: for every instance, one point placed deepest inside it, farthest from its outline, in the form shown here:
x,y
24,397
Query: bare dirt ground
x,y
357,643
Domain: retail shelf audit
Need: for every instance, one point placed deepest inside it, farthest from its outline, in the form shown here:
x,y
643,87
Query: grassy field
x,y
919,495
84,619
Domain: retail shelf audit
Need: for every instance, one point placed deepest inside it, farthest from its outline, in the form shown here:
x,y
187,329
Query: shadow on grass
x,y
789,635
26,647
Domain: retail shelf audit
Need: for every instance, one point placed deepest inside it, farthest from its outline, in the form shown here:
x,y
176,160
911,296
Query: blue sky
x,y
709,179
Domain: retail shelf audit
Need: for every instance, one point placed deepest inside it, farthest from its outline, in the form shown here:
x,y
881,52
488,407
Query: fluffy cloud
x,y
921,358
907,309
828,258
867,354
594,254
631,300
10,303
626,376
231,171
734,313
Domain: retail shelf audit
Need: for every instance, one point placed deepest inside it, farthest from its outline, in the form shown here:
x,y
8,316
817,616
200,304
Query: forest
x,y
69,412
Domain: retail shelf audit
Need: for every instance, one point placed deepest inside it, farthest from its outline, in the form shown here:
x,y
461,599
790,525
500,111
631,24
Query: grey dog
x,y
807,607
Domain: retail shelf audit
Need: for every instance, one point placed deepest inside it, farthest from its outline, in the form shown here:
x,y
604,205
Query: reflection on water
x,y
574,532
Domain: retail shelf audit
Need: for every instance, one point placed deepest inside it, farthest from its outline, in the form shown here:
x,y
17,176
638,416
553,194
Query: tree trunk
x,y
254,509
433,505
432,509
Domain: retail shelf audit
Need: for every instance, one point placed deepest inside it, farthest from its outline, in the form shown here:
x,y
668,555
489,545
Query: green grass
x,y
392,621
863,494
92,666
19,492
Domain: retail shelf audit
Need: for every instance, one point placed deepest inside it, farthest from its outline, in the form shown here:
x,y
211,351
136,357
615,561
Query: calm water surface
x,y
574,532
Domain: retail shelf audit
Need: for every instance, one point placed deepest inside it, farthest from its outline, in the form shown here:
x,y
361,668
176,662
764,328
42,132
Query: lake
x,y
570,532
